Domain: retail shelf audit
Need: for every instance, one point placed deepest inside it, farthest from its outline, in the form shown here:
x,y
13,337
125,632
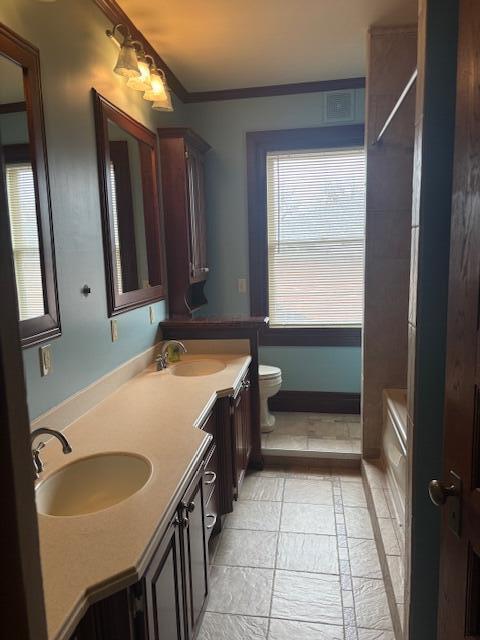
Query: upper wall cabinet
x,y
24,188
130,203
182,154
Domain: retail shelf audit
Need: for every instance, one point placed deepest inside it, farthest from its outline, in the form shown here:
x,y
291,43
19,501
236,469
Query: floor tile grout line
x,y
275,560
340,485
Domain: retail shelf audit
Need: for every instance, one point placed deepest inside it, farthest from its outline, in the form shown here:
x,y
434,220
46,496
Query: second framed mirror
x,y
131,214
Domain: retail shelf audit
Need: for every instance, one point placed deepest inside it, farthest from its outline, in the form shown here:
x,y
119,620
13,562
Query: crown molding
x,y
275,90
116,15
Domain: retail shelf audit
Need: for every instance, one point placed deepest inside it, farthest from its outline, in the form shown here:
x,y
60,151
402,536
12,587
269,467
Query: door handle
x,y
440,491
449,492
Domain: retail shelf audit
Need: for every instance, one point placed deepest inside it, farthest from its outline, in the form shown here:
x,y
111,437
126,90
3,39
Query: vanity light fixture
x,y
127,63
143,82
140,69
157,91
164,105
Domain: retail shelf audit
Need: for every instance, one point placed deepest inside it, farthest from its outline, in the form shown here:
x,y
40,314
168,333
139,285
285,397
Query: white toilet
x,y
270,381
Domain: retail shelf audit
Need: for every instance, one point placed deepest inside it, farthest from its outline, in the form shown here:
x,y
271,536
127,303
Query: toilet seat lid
x,y
266,372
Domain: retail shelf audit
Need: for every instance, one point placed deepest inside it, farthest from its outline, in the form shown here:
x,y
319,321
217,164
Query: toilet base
x,y
267,420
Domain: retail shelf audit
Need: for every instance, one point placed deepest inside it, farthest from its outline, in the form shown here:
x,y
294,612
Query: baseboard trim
x,y
316,402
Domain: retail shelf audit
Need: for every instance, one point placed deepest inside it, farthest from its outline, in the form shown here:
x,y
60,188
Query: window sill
x,y
311,337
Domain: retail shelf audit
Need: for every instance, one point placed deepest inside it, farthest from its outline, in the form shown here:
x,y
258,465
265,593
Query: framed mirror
x,y
132,225
23,160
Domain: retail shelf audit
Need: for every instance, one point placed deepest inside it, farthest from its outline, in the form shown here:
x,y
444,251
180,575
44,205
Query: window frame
x,y
259,144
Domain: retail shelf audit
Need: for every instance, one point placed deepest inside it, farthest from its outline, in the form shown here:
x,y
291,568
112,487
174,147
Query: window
x,y
25,243
315,231
306,218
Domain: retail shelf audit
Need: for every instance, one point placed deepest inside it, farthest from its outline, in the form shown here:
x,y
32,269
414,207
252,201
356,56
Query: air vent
x,y
339,106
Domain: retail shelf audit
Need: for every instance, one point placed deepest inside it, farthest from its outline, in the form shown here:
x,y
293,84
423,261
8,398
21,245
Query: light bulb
x,y
141,82
157,91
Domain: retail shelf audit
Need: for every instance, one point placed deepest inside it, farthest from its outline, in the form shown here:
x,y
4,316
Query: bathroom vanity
x,y
139,569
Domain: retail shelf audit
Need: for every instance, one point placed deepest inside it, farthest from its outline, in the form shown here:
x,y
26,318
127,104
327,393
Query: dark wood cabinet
x,y
195,553
164,589
176,583
182,156
241,433
168,602
114,618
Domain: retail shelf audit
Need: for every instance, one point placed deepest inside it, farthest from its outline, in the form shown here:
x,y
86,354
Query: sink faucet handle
x,y
39,446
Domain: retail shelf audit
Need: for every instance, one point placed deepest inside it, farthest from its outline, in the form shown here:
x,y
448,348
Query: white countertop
x,y
85,558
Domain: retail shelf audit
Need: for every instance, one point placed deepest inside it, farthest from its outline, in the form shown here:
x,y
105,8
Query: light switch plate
x,y
151,314
242,285
46,364
114,328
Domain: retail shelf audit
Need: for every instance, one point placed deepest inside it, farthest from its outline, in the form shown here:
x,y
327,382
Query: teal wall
x,y
75,56
316,369
224,125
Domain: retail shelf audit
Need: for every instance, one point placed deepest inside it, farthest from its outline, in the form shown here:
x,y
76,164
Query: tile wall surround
x,y
388,224
314,435
292,562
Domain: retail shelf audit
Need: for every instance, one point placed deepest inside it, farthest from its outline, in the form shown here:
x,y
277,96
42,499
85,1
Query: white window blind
x,y
316,229
116,236
25,244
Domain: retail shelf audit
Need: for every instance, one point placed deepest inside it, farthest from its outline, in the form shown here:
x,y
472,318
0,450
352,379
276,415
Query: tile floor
x,y
316,433
297,558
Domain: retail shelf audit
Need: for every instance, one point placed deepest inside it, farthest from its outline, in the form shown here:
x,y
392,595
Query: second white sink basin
x,y
197,368
92,484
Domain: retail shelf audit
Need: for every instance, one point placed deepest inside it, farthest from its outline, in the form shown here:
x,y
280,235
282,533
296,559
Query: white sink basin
x,y
92,484
197,368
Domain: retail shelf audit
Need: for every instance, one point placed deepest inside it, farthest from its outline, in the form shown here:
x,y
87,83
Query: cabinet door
x,y
247,422
164,589
87,629
196,212
238,440
195,551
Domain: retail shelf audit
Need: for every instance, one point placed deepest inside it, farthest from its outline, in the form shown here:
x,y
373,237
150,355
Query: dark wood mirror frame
x,y
121,302
24,54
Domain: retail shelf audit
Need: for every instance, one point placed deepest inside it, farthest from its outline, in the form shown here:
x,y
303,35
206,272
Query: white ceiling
x,y
225,44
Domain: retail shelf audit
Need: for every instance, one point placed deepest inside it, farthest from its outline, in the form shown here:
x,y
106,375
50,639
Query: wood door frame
x,y
21,590
431,214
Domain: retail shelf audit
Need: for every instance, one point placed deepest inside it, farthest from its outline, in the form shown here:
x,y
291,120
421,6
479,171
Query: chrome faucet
x,y
162,359
37,461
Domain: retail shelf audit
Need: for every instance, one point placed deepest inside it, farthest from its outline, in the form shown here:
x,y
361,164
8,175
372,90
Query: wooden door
x,y
196,212
192,518
459,490
164,589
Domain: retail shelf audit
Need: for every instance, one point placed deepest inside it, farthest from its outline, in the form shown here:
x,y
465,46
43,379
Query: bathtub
x,y
394,446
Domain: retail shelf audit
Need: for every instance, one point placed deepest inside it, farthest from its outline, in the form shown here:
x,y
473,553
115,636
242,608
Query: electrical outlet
x,y
45,360
114,329
151,314
242,285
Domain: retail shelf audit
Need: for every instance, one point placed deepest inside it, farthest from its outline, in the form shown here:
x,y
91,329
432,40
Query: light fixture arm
x,y
123,30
